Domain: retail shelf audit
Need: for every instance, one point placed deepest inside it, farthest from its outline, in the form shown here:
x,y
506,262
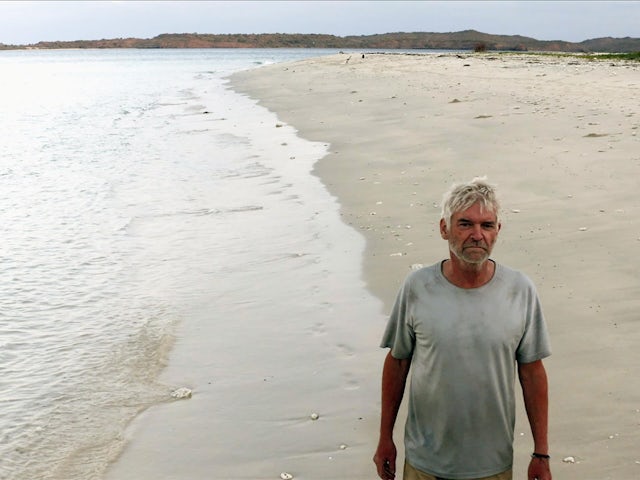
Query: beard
x,y
472,253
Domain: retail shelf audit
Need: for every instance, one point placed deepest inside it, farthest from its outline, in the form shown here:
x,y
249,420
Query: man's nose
x,y
476,233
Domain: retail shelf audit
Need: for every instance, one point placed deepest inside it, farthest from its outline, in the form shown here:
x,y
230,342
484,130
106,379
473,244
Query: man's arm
x,y
394,377
533,379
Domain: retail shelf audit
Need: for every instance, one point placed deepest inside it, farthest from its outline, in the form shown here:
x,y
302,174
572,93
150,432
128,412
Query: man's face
x,y
472,234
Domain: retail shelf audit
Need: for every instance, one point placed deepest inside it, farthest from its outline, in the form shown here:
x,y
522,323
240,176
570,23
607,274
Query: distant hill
x,y
465,40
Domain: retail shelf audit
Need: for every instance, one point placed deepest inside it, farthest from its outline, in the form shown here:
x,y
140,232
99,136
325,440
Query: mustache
x,y
478,244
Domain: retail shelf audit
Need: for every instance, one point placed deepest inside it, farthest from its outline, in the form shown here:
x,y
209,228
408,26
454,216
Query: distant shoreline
x,y
464,40
630,56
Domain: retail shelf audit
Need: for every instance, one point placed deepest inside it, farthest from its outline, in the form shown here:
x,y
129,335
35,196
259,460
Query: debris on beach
x,y
182,392
314,416
583,229
286,476
569,460
343,447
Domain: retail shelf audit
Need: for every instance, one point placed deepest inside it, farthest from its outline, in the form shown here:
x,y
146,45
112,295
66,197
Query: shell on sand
x,y
182,393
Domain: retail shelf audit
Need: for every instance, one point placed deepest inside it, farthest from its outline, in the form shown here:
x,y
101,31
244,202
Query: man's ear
x,y
444,233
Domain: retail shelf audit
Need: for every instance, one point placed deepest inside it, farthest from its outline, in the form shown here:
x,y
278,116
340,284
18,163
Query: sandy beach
x,y
559,136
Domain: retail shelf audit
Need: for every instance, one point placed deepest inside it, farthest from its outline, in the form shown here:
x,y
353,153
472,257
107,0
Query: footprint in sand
x,y
345,350
318,328
350,383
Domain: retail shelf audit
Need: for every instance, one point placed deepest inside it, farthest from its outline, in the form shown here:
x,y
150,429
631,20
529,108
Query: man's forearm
x,y
533,379
394,377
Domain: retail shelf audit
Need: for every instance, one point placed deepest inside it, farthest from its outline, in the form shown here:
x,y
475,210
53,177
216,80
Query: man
x,y
465,326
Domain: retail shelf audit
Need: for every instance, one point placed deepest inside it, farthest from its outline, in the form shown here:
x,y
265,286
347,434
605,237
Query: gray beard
x,y
472,262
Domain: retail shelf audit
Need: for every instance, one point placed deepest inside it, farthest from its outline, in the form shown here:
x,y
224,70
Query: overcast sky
x,y
24,22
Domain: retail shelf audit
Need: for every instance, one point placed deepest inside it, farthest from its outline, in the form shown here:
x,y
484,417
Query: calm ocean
x,y
130,184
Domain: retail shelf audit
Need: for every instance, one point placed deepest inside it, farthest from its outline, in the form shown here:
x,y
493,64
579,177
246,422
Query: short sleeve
x,y
399,334
535,344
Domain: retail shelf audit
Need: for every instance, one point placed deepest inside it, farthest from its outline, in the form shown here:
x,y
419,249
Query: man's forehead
x,y
477,211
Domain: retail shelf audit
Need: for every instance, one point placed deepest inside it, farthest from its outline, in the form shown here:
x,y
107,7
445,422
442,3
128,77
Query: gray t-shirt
x,y
464,345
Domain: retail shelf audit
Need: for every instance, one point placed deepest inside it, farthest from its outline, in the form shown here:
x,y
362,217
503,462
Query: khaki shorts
x,y
411,473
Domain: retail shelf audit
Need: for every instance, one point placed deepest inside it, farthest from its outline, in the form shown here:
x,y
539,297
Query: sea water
x,y
126,180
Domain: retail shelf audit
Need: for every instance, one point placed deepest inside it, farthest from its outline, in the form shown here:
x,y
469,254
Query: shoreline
x,y
559,137
277,381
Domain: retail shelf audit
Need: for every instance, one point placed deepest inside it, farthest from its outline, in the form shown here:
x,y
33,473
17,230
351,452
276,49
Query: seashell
x,y
314,416
343,447
569,460
182,393
286,476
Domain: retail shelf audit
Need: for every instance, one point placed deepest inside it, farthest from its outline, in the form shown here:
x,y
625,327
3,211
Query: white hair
x,y
463,195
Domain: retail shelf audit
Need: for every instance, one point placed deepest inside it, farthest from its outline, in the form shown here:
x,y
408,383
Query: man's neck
x,y
466,275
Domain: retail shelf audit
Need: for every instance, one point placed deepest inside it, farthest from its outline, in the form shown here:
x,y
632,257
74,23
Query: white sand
x,y
560,138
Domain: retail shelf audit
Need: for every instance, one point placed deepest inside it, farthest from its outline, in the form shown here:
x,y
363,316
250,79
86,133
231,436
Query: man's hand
x,y
394,376
385,459
539,469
